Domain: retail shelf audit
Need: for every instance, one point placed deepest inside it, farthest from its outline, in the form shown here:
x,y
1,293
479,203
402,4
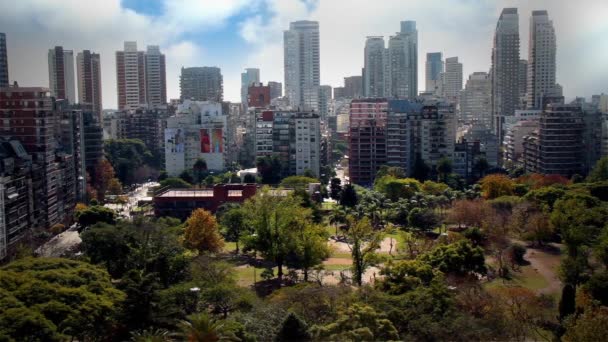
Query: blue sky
x,y
236,34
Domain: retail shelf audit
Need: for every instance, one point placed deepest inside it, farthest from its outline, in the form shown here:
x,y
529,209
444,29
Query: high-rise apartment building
x,y
452,79
475,100
325,97
505,69
366,139
522,82
302,64
276,89
202,84
403,61
196,131
433,70
156,77
541,60
375,71
3,61
130,77
557,146
249,77
294,137
339,93
61,74
353,87
258,95
88,69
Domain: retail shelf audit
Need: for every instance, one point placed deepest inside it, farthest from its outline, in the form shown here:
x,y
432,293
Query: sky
x,y
239,34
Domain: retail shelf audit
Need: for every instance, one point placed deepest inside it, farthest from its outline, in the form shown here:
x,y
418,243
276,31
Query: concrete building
x,y
403,61
375,74
339,93
201,84
522,82
88,70
196,131
557,146
325,98
248,78
156,77
258,95
487,142
541,60
353,87
294,137
433,71
452,80
505,74
61,74
476,100
16,193
513,144
302,64
130,77
3,61
29,115
276,89
366,139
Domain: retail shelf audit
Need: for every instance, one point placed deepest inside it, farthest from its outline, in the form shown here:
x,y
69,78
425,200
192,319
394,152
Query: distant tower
x,y
374,71
248,78
156,77
541,60
3,61
88,69
433,70
452,79
61,74
505,69
302,64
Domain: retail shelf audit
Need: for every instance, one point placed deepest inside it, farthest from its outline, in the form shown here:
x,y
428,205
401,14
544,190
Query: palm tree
x,y
202,328
152,335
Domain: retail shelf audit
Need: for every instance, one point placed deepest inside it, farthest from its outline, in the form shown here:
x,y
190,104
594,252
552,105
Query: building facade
x,y
156,77
61,74
541,60
130,77
325,98
3,61
302,64
276,89
258,95
433,71
374,71
248,78
476,100
452,80
88,70
403,62
505,69
353,87
201,84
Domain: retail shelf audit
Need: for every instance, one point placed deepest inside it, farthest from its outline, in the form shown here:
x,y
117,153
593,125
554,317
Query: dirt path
x,y
546,264
60,244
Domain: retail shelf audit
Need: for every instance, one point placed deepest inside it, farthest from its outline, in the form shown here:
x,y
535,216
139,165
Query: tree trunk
x,y
280,271
237,246
305,274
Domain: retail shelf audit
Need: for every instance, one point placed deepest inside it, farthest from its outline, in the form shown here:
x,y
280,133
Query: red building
x,y
258,96
181,202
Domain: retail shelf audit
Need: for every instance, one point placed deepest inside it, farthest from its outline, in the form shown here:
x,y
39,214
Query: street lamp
x,y
196,291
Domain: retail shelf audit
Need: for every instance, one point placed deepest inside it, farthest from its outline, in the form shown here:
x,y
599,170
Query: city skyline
x,y
235,35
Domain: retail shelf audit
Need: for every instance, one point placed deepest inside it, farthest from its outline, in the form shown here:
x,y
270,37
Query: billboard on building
x,y
205,141
217,139
174,140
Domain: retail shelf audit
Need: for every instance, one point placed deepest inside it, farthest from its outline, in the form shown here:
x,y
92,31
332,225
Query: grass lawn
x,y
245,275
527,277
230,247
336,267
327,205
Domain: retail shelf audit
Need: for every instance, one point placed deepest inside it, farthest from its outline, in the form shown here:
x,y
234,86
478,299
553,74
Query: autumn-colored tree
x,y
104,173
202,232
470,213
496,185
114,187
537,181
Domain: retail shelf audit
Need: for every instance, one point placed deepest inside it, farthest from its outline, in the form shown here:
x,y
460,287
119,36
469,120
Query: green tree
x,y
52,299
202,232
459,258
270,169
348,197
421,169
357,322
187,176
297,182
200,169
394,188
335,188
405,275
481,166
444,168
174,182
362,241
127,156
599,172
109,245
233,222
95,214
423,219
272,217
293,329
202,328
309,246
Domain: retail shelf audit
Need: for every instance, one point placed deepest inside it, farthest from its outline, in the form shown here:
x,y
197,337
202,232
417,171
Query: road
x,y
140,193
58,245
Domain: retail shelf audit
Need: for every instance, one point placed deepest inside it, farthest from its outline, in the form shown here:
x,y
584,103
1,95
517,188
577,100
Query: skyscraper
x,y
324,100
276,89
61,74
3,61
403,61
523,80
541,60
130,77
302,64
202,84
374,70
505,69
433,70
475,100
249,77
353,87
452,79
88,70
156,76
